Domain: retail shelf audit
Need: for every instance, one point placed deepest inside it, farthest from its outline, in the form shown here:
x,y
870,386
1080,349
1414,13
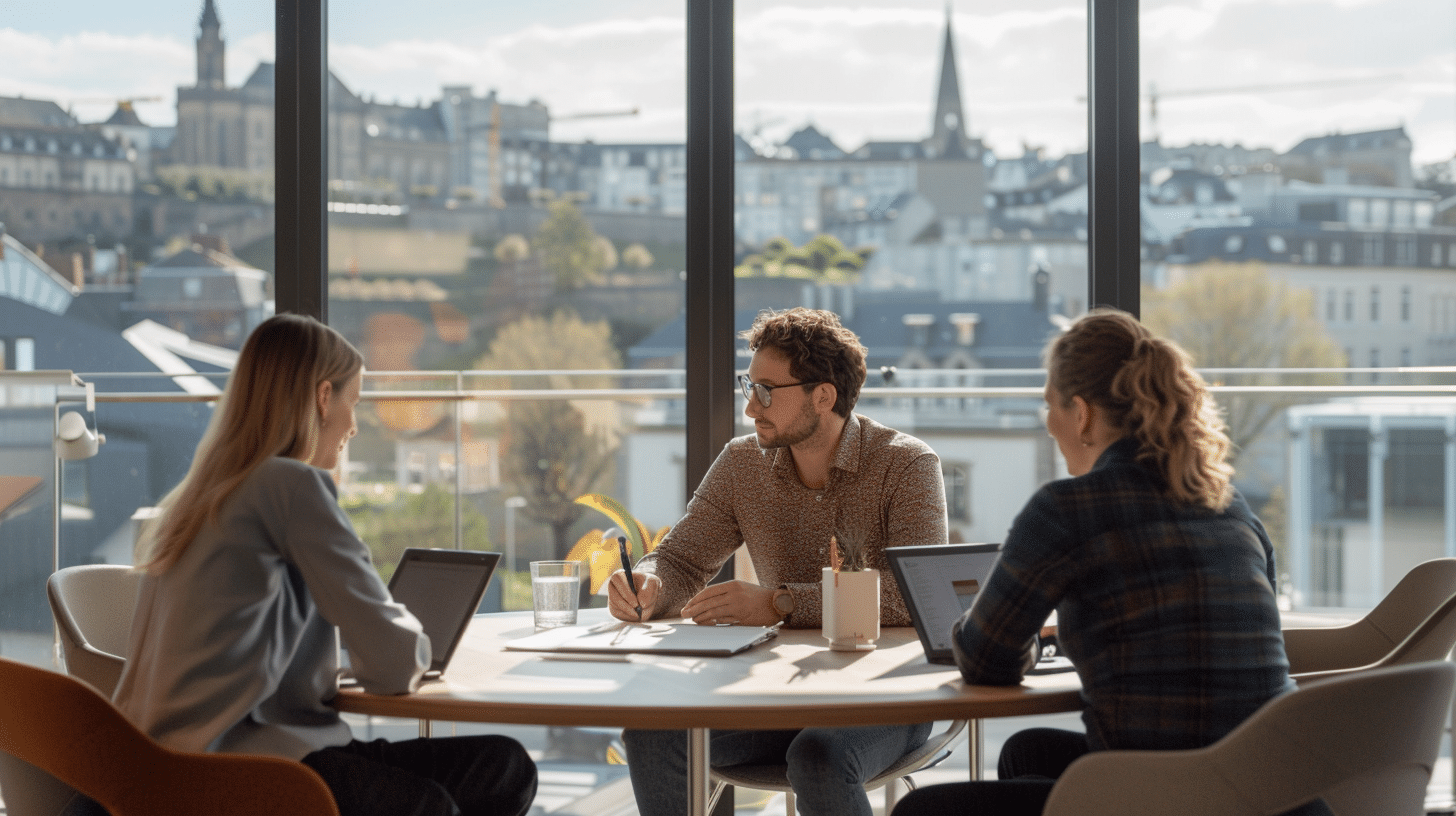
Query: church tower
x,y
210,49
948,131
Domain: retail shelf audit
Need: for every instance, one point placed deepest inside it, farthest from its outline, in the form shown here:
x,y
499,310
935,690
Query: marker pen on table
x,y
627,567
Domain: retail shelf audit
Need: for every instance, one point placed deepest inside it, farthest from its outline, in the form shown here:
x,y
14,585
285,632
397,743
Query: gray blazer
x,y
233,647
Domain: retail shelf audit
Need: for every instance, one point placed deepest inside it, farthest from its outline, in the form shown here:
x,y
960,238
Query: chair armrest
x,y
1143,783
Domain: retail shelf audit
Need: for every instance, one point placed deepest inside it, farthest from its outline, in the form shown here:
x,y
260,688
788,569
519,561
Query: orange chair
x,y
61,726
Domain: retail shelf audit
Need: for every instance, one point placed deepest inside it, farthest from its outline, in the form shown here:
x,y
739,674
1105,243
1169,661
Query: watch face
x,y
784,602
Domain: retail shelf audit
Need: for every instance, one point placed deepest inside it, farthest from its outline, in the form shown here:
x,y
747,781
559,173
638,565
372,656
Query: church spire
x,y
948,130
210,48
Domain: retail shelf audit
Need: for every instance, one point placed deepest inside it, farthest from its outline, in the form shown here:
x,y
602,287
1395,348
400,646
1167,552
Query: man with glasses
x,y
812,469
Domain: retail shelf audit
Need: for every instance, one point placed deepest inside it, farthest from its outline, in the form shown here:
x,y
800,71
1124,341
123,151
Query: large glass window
x,y
921,170
1330,142
136,223
507,194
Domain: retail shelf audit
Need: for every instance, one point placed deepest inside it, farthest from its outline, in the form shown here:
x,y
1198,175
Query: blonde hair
x,y
267,409
1148,390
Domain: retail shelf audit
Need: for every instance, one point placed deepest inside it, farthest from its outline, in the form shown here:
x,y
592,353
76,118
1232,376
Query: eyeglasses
x,y
752,389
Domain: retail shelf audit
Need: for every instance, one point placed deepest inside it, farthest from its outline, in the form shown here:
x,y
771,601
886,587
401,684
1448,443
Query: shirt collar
x,y
846,453
1121,452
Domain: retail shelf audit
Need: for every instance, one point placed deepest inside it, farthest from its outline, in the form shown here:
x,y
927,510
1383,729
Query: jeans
x,y
827,766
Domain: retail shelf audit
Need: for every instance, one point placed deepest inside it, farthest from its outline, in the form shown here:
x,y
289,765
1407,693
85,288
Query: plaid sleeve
x,y
992,639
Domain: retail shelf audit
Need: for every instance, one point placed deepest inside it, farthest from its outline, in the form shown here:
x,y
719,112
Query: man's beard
x,y
806,425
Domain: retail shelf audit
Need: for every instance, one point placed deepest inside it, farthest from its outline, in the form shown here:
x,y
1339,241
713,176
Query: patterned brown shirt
x,y
883,484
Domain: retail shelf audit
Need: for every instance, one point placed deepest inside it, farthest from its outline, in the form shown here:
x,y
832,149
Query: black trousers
x,y
1029,765
444,776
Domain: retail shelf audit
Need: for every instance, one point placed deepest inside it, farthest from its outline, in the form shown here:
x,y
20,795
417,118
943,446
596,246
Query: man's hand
x,y
621,602
733,602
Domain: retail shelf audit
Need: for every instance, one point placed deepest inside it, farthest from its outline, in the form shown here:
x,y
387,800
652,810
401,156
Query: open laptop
x,y
443,589
939,583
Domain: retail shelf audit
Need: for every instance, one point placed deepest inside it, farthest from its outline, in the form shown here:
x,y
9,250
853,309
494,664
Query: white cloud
x,y
866,73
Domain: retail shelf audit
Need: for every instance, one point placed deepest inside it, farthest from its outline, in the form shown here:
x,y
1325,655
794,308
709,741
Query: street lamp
x,y
511,504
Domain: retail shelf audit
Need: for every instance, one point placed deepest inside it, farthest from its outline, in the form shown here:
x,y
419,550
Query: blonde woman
x,y
252,567
1161,576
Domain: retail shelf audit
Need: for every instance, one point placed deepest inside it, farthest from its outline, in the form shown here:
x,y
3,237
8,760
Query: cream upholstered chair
x,y
93,605
1365,743
1432,640
1369,640
776,777
64,728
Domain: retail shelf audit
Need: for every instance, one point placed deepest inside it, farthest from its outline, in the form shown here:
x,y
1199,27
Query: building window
x,y
1373,247
1435,254
1337,253
1375,304
22,356
1451,255
957,491
1375,358
1311,252
1405,304
1349,305
1331,305
1405,356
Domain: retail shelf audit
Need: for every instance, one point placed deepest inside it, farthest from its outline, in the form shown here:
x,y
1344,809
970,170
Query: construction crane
x,y
596,114
125,103
493,145
1153,95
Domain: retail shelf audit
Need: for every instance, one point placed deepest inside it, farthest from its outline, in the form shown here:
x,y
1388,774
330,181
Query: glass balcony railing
x,y
1352,470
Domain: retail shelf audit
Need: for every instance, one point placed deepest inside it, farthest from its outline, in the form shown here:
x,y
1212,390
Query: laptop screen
x,y
443,589
939,583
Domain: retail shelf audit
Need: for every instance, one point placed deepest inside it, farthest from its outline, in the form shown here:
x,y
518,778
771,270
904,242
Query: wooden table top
x,y
793,681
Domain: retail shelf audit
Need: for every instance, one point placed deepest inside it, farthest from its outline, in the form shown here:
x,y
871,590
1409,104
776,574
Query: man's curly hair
x,y
818,347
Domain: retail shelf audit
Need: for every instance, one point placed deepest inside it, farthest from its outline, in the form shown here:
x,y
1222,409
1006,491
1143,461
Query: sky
x,y
1261,73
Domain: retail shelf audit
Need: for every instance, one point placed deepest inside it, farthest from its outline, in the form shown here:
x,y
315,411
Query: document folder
x,y
656,637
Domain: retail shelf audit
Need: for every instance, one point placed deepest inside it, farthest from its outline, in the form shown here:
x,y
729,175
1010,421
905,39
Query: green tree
x,y
556,449
512,249
568,248
637,256
1237,316
824,259
424,519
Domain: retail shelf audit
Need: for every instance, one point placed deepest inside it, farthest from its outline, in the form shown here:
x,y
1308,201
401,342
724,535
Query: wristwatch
x,y
783,602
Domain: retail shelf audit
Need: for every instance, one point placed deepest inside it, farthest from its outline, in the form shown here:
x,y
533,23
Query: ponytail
x,y
1148,389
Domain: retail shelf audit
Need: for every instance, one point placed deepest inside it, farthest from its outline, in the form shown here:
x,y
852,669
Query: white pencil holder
x,y
851,609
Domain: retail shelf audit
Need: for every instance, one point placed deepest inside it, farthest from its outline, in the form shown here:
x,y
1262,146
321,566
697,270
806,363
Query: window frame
x,y
301,196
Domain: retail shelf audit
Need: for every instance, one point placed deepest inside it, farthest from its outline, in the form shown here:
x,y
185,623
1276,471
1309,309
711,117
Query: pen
x,y
627,567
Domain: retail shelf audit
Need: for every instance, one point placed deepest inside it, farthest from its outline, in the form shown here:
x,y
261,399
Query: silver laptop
x,y
939,583
443,589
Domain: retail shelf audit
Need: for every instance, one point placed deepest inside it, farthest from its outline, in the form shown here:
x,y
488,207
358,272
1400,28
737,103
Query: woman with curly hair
x,y
1161,576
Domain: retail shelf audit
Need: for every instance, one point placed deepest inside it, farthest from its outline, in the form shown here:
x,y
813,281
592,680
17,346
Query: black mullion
x,y
1113,217
710,341
300,158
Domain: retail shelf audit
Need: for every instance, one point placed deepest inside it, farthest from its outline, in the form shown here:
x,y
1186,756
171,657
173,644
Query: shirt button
x,y
821,550
820,497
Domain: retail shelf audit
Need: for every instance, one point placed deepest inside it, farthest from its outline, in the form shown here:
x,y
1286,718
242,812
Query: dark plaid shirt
x,y
1167,610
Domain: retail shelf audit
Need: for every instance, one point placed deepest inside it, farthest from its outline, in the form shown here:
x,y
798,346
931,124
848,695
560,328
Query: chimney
x,y
1041,289
965,328
919,326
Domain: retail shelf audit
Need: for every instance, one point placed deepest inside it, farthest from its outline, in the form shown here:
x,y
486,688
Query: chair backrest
x,y
1365,743
93,606
1432,640
1367,641
63,727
